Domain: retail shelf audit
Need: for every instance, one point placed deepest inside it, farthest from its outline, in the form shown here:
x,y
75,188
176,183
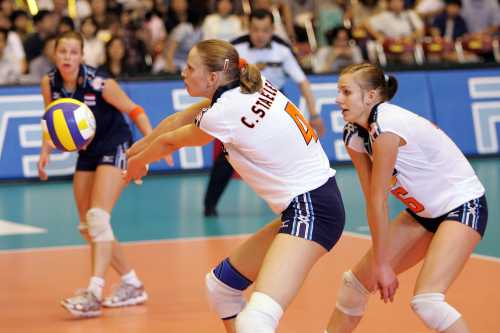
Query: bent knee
x,y
99,225
225,286
262,314
433,310
352,296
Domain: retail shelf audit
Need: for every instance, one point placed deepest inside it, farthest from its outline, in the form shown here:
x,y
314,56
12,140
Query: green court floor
x,y
39,215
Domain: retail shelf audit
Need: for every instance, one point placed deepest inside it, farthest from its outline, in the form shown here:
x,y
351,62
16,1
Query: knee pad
x,y
225,286
434,311
352,296
261,315
98,221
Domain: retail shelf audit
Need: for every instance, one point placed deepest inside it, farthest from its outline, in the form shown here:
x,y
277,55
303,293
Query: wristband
x,y
136,112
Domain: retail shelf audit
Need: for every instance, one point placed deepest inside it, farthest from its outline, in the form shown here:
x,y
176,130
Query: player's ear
x,y
371,96
213,79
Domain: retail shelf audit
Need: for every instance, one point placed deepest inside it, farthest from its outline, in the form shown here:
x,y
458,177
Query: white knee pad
x,y
99,225
352,296
226,301
261,315
434,311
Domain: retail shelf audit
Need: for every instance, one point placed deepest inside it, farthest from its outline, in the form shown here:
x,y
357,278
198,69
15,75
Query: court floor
x,y
171,246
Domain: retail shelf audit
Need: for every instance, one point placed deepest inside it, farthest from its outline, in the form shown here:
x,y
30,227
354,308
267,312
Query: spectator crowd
x,y
129,38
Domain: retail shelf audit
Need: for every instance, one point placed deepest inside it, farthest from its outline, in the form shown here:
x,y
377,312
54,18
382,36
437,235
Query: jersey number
x,y
305,128
410,202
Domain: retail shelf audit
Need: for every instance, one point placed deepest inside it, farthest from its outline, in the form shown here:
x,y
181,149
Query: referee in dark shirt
x,y
276,60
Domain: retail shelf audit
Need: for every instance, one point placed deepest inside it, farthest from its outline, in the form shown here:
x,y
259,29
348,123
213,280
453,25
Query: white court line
x,y
197,239
132,243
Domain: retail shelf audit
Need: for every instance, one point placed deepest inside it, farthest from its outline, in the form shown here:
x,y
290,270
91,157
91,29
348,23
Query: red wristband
x,y
136,112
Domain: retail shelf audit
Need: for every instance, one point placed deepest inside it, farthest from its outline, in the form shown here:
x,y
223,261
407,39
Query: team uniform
x,y
272,147
431,176
113,135
280,62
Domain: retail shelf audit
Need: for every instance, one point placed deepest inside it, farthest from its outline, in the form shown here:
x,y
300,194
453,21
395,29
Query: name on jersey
x,y
263,104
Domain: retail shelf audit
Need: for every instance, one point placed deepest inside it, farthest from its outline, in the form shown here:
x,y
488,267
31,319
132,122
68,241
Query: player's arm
x,y
314,116
363,166
114,95
46,147
385,149
165,144
292,68
170,123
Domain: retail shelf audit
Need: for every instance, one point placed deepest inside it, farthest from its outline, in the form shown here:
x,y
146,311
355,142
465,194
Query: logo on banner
x,y
325,94
20,128
485,114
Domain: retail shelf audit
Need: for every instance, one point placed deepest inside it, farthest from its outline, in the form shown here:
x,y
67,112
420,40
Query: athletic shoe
x,y
83,305
125,295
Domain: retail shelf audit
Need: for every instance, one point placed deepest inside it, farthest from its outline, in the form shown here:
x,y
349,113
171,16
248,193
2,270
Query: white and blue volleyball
x,y
68,124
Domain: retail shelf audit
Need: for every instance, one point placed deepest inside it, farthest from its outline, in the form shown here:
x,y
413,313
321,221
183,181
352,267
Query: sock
x,y
131,278
96,285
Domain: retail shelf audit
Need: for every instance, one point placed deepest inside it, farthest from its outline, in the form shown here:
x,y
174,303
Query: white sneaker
x,y
83,305
125,295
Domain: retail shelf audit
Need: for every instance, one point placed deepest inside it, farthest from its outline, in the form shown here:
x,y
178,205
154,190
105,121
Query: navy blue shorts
x,y
473,214
317,215
118,159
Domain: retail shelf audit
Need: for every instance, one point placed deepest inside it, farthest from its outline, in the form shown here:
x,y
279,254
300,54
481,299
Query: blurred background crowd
x,y
129,38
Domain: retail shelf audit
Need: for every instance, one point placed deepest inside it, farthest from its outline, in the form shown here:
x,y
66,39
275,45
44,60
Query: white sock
x,y
131,278
96,285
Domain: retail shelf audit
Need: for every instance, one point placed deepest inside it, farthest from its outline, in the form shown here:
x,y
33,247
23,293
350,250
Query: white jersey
x,y
432,176
268,142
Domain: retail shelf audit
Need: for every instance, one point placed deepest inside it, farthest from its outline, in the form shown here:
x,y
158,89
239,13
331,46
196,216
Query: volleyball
x,y
68,124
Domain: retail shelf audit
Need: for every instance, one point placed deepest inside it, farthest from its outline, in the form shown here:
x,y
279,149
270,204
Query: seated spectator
x,y
361,10
14,47
450,24
398,30
42,64
66,24
481,16
9,68
181,40
115,64
177,12
99,13
45,25
93,48
223,24
329,15
136,41
20,23
341,52
429,9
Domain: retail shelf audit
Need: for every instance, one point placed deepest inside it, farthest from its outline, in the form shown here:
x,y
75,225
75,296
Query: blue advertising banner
x,y
467,108
464,103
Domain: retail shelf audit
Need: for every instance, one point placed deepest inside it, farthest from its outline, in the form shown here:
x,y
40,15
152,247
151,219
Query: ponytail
x,y
392,86
250,78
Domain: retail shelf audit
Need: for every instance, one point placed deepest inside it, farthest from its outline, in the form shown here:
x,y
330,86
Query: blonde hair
x,y
70,35
369,76
217,55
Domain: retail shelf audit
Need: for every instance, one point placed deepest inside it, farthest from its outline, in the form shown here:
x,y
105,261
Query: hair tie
x,y
242,63
226,65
